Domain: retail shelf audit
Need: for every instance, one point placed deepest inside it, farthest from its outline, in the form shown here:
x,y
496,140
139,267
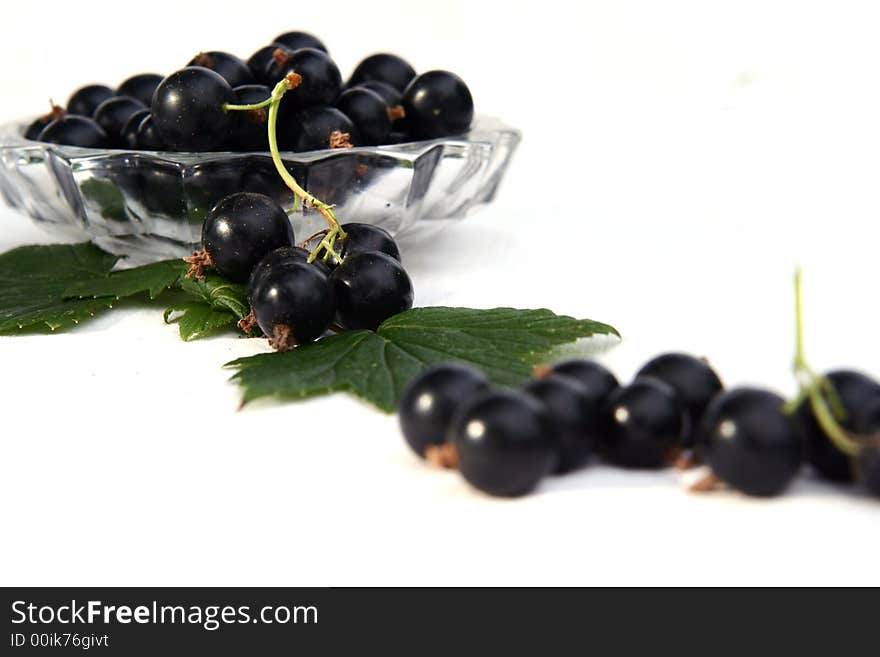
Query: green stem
x,y
308,200
812,383
246,108
300,194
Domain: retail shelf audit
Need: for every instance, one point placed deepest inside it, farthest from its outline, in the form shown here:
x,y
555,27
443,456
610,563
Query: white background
x,y
678,160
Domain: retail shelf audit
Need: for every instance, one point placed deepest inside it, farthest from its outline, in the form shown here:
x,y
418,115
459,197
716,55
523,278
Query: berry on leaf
x,y
370,287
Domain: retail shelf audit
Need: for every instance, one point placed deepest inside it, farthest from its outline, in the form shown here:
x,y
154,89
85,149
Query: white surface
x,y
678,161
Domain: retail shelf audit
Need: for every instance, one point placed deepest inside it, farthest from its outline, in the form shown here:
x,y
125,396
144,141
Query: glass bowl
x,y
150,205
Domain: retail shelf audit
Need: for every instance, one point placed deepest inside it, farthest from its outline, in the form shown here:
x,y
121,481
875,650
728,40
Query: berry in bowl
x,y
137,168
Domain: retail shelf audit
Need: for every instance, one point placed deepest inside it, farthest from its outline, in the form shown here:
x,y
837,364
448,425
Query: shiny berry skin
x,y
363,238
85,100
296,40
148,137
693,380
597,379
369,113
370,288
240,230
437,104
856,392
868,468
249,129
867,462
311,129
278,258
140,87
259,62
188,109
129,135
33,130
430,400
383,67
643,423
296,296
229,67
389,94
749,442
575,416
504,442
321,80
114,113
75,130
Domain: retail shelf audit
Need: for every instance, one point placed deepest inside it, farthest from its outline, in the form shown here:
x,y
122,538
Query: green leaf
x,y
506,343
152,279
196,320
62,284
219,294
34,281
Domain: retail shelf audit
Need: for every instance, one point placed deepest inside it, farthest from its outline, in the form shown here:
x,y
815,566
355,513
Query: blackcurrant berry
x,y
321,80
240,230
693,380
575,417
129,135
188,108
297,40
229,67
504,442
749,442
74,130
437,104
867,462
389,94
855,392
140,87
429,401
598,381
398,137
368,112
33,130
317,128
293,304
148,137
644,422
248,130
383,67
114,113
85,100
276,259
258,63
867,467
370,288
363,238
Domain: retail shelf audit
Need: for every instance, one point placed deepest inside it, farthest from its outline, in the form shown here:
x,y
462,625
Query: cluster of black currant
x,y
383,102
298,294
674,412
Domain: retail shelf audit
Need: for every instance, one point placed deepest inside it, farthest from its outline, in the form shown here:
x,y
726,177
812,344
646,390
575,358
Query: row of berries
x,y
248,238
383,102
505,441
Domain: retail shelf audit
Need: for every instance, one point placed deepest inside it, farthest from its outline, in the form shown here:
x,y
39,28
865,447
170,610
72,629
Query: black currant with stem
x,y
828,407
292,81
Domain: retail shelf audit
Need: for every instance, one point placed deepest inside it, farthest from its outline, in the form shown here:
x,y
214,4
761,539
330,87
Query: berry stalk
x,y
291,81
812,385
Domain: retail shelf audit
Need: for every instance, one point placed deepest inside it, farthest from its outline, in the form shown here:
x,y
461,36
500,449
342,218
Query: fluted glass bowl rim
x,y
12,138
